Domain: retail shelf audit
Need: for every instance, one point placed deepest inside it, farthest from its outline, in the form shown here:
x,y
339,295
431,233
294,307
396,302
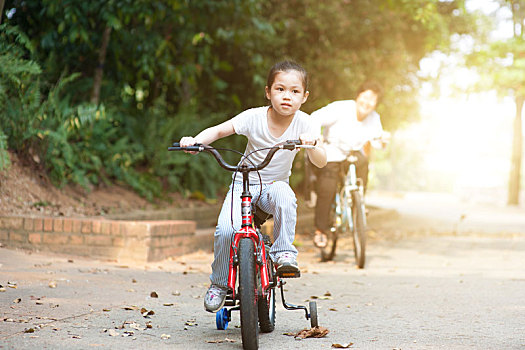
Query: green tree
x,y
501,65
141,74
159,70
345,42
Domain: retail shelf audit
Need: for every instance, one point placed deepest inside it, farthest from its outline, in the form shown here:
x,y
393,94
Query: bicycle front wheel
x,y
359,229
248,294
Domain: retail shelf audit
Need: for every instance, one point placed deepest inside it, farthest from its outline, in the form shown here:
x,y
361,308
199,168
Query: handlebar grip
x,y
176,147
290,144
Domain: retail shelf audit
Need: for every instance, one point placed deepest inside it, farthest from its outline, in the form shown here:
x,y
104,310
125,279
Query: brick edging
x,y
98,237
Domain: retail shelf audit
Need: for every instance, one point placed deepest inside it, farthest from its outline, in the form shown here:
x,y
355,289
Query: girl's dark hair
x,y
285,66
371,85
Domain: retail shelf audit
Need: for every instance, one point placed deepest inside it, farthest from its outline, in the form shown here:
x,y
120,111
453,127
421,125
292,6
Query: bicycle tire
x,y
314,321
248,295
328,252
359,232
266,305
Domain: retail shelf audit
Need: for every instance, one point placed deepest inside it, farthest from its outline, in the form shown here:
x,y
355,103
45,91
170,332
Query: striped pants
x,y
277,199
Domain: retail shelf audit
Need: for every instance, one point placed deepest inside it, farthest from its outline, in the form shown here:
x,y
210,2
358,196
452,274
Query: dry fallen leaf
x,y
191,322
136,326
17,300
146,313
316,332
342,346
165,336
226,340
324,297
52,284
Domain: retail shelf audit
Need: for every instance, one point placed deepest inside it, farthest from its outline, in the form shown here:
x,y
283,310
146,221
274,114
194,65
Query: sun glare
x,y
467,139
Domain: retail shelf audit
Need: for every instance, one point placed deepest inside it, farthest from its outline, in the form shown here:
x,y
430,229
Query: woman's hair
x,y
373,86
285,66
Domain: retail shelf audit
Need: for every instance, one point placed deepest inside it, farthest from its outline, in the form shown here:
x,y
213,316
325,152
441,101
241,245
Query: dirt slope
x,y
24,189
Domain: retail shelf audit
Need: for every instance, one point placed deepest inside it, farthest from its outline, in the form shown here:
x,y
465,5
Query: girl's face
x,y
287,92
366,102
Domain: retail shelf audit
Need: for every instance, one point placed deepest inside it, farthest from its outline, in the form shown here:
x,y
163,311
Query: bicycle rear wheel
x,y
248,294
359,231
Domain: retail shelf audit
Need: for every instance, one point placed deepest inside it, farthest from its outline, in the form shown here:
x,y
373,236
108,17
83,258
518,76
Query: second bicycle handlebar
x,y
289,145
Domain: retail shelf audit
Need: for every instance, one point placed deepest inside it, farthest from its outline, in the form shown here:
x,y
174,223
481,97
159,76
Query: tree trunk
x,y
517,146
2,2
99,71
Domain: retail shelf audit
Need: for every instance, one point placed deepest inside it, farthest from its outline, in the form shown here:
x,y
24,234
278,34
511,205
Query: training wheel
x,y
313,314
222,319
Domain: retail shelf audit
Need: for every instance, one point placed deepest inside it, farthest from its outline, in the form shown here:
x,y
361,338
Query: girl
x,y
264,127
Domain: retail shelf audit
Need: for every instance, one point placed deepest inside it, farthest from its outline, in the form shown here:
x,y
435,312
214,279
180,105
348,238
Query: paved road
x,y
434,290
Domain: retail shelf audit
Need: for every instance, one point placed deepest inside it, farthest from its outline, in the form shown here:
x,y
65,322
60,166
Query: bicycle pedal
x,y
229,299
288,273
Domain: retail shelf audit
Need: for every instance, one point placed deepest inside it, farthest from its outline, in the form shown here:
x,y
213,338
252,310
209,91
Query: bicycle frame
x,y
351,183
247,231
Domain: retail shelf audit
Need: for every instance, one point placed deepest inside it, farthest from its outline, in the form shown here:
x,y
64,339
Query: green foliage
x,y
175,67
19,86
5,161
343,43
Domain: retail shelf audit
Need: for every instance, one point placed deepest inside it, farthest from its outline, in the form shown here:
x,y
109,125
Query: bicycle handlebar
x,y
289,145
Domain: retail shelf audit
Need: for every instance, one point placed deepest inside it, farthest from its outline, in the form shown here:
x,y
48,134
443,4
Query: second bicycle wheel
x,y
266,304
328,252
359,232
248,295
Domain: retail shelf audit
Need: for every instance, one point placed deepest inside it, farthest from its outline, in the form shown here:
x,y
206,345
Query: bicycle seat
x,y
260,217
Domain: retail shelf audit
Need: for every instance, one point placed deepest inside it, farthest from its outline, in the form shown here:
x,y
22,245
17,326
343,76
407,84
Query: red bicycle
x,y
250,263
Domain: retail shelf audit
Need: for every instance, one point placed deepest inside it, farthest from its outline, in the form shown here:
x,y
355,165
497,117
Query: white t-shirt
x,y
253,123
342,132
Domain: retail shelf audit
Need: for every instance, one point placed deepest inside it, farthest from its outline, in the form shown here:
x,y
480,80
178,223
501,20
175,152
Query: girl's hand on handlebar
x,y
307,139
187,141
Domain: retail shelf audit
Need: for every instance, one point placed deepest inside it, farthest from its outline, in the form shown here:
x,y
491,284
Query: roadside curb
x,y
138,236
139,241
